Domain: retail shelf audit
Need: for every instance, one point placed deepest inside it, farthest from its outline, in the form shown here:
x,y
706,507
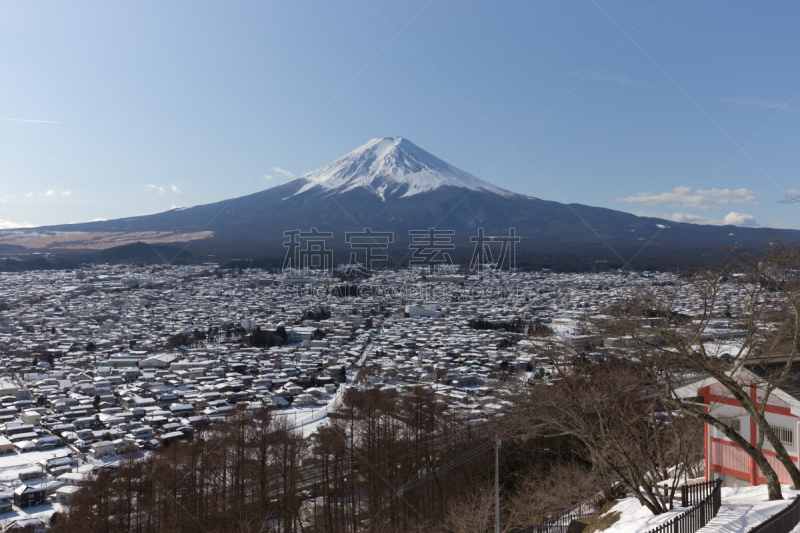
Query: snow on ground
x,y
746,507
309,429
11,464
718,349
41,512
742,509
296,415
637,518
10,467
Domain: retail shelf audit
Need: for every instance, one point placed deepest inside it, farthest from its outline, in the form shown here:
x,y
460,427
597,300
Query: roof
x,y
789,391
27,488
789,385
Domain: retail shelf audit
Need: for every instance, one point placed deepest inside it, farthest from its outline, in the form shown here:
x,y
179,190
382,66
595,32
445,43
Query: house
x,y
26,524
24,446
65,493
31,472
6,499
104,448
305,399
167,438
123,446
29,496
58,462
300,334
31,418
72,479
47,442
724,459
5,445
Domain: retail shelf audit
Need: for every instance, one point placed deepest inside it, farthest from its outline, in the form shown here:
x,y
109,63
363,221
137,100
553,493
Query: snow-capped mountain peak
x,y
392,166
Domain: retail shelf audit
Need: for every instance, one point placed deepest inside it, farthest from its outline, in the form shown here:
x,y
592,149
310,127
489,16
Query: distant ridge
x,y
391,185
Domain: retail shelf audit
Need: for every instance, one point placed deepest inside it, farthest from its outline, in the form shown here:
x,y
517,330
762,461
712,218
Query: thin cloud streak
x,y
283,172
30,120
697,199
763,104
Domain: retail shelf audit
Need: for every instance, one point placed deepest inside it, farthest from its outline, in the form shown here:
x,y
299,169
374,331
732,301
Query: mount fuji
x,y
390,184
392,168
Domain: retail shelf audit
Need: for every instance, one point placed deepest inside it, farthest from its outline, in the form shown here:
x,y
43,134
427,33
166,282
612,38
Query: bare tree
x,y
676,350
540,496
473,513
612,412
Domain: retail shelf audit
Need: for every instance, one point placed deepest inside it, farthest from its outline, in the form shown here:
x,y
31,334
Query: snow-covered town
x,y
110,362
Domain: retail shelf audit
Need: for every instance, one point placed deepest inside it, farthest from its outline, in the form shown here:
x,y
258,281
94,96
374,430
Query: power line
x,y
475,452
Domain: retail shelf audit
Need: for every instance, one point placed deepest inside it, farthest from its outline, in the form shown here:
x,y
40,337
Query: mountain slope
x,y
392,167
391,184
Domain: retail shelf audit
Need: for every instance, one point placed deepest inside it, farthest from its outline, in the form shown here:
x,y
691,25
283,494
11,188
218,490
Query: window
x,y
785,435
733,423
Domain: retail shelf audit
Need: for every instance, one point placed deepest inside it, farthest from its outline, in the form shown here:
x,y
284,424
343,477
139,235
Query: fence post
x,y
683,496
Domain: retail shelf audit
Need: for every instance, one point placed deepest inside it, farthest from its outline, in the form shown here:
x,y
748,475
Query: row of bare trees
x,y
253,473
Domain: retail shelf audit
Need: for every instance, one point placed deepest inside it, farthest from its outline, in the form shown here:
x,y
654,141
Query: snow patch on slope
x,y
386,165
742,509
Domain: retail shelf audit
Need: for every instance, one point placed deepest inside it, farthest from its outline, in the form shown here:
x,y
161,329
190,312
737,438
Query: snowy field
x,y
40,512
746,507
10,466
296,415
12,463
742,509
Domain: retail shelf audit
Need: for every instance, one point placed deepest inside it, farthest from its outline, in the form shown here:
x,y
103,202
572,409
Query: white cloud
x,y
154,188
764,104
678,217
699,199
175,189
692,219
48,193
739,219
283,172
7,224
29,195
173,206
98,220
267,177
66,193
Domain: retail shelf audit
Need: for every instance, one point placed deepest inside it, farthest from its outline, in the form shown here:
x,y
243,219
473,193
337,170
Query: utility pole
x,y
496,484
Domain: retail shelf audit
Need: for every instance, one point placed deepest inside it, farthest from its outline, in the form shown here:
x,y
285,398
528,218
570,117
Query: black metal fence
x,y
699,514
560,522
781,522
693,494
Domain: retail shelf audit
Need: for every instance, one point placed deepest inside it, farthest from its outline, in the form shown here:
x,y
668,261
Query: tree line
x,y
254,472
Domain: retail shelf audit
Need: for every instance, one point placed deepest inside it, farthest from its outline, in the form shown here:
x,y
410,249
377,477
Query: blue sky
x,y
694,115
